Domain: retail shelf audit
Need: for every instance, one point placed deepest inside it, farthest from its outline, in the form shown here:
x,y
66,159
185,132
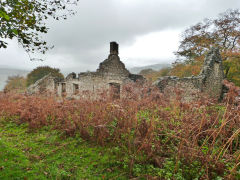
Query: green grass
x,y
46,154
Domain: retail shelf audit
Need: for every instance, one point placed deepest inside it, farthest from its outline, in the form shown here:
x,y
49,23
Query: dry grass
x,y
144,121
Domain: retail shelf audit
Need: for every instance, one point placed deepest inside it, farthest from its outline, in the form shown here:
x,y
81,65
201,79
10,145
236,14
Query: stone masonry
x,y
110,74
47,84
209,81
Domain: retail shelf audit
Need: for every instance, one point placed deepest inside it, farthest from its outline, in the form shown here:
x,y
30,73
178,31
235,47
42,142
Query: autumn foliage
x,y
222,32
202,136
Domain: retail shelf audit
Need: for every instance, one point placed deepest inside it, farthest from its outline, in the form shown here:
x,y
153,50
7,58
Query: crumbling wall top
x,y
212,57
71,76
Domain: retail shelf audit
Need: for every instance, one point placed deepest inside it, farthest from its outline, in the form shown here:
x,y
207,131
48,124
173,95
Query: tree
x,y
222,32
15,83
25,20
42,71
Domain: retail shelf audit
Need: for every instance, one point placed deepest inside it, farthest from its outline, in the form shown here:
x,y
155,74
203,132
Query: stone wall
x,y
47,84
209,81
111,72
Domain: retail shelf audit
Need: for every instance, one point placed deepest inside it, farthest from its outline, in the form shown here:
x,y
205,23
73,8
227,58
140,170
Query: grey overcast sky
x,y
148,32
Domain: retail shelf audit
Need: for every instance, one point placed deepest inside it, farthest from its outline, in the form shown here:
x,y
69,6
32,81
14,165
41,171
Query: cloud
x,y
82,41
159,44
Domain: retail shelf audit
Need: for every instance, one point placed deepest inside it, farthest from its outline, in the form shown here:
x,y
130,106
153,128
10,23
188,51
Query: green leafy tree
x,y
42,71
16,84
25,20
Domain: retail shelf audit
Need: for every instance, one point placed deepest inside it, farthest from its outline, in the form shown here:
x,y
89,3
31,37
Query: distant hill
x,y
155,67
6,72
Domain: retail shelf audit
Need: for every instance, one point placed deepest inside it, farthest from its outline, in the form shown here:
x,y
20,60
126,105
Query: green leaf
x,y
15,31
4,15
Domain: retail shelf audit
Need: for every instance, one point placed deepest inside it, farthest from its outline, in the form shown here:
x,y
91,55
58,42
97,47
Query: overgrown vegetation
x,y
150,135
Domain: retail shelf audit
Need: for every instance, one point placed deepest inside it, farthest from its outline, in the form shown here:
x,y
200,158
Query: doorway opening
x,y
75,89
63,89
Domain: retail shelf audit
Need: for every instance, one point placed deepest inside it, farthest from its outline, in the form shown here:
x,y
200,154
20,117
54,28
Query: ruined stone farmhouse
x,y
111,74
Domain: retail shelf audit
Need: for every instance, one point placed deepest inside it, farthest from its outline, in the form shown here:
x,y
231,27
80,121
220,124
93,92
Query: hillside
x,y
6,72
155,67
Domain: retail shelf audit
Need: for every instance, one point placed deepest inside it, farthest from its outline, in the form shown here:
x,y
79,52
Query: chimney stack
x,y
113,48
